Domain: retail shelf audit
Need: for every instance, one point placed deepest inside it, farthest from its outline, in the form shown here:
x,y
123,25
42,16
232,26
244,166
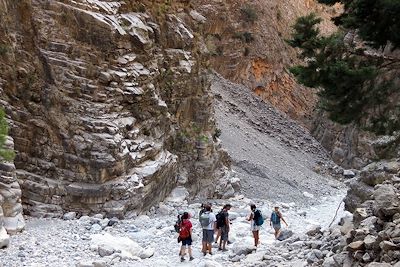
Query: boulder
x,y
369,241
387,245
105,250
348,174
197,16
366,257
357,245
378,264
100,263
386,201
313,231
4,238
285,234
329,262
69,216
243,249
127,247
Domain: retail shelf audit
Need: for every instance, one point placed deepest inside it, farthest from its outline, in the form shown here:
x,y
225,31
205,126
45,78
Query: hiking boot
x,y
219,249
229,242
191,258
182,259
204,253
224,250
211,253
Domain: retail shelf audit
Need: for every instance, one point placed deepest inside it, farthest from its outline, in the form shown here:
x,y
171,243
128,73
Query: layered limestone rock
x,y
11,219
110,106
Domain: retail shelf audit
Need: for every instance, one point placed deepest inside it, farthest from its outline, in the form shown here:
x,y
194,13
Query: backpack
x,y
275,219
184,232
205,219
258,218
220,219
177,225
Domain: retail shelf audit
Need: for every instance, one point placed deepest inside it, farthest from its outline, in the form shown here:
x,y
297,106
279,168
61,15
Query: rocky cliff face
x,y
247,41
108,102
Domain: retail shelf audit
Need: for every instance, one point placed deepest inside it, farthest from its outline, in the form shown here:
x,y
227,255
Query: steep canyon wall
x,y
108,103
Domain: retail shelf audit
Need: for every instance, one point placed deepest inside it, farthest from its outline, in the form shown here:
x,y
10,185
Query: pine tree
x,y
377,21
339,74
5,154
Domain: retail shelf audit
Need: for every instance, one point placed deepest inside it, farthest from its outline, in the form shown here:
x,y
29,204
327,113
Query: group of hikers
x,y
219,224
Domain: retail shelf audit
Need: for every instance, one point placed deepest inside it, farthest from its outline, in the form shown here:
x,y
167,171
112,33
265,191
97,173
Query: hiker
x,y
207,221
223,226
185,236
276,217
256,220
203,208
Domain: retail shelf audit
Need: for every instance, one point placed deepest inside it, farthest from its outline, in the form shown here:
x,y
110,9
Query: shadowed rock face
x,y
108,107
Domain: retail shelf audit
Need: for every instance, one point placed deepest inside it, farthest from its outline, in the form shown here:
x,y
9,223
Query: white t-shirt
x,y
213,219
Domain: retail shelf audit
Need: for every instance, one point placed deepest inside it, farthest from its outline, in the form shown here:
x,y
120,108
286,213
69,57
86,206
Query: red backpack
x,y
184,232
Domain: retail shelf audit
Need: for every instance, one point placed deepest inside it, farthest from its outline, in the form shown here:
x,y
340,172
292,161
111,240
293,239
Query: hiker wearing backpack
x,y
223,226
185,236
256,220
207,221
276,217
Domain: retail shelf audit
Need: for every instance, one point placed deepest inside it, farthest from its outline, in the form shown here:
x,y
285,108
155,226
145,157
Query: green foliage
x,y
377,21
305,35
342,77
203,138
249,13
246,37
5,154
4,49
278,15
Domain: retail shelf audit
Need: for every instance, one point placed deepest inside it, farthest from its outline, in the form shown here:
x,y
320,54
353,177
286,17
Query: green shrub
x,y
5,154
249,13
246,37
4,49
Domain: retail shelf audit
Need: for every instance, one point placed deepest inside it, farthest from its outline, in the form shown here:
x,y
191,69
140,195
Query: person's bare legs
x,y
218,235
277,232
190,252
204,248
256,238
209,247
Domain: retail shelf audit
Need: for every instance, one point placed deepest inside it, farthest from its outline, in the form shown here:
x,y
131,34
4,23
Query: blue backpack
x,y
258,218
275,219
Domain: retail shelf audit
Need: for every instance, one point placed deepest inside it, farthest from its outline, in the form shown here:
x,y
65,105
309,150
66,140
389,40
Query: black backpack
x,y
221,218
177,225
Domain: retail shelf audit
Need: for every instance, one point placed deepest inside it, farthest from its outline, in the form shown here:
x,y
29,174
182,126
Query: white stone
x,y
179,194
84,264
348,173
127,247
197,16
69,216
14,224
309,195
4,238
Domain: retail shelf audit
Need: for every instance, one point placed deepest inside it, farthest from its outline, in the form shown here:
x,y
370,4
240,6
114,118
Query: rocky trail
x,y
149,240
274,159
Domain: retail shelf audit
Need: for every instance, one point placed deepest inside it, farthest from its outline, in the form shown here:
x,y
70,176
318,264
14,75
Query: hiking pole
x,y
335,214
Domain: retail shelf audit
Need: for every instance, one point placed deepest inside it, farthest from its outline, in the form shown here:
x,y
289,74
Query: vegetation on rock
x,y
349,79
5,154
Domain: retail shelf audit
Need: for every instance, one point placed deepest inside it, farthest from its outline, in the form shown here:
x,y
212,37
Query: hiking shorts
x,y
224,233
208,236
187,242
255,228
276,226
